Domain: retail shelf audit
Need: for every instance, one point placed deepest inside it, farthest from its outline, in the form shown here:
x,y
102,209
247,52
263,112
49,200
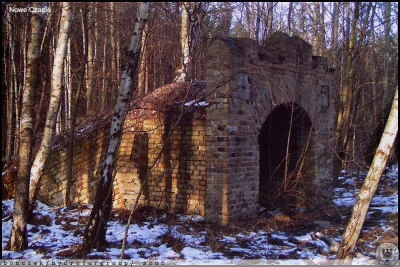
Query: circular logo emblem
x,y
387,254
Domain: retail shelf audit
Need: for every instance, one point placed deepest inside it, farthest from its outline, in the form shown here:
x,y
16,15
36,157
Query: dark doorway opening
x,y
286,159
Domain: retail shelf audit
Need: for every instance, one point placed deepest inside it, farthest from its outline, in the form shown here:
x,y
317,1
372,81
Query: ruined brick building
x,y
218,148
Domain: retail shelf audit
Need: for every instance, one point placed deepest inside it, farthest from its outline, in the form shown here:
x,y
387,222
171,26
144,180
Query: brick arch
x,y
245,82
287,121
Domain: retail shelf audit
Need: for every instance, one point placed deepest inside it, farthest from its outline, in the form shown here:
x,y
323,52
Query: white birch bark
x,y
18,239
96,227
182,74
56,83
356,221
10,89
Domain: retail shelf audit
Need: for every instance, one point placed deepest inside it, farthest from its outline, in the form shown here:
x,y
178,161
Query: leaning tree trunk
x,y
18,240
56,84
369,187
95,231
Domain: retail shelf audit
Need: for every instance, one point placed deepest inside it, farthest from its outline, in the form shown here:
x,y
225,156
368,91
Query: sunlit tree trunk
x,y
346,99
143,67
18,240
96,227
56,84
90,64
103,94
356,221
183,72
114,64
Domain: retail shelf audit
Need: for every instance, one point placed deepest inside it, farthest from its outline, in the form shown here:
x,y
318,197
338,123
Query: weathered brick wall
x,y
245,82
177,181
89,152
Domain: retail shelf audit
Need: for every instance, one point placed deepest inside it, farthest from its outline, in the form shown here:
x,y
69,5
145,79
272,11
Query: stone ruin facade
x,y
217,148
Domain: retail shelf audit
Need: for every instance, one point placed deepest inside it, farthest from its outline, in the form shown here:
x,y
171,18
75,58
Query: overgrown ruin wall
x,y
245,83
211,164
177,181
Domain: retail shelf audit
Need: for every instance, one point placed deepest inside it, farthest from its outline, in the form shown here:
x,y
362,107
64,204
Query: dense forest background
x,y
360,40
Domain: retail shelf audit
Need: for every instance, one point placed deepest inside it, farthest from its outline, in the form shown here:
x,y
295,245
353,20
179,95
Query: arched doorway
x,y
286,159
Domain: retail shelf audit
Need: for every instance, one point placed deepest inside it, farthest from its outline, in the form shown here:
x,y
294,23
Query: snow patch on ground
x,y
148,240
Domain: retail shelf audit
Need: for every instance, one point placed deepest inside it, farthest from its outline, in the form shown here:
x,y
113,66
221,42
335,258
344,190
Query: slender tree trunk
x,y
56,84
18,240
385,95
90,65
251,19
118,37
10,91
147,73
67,109
114,65
356,221
95,231
103,95
347,94
183,72
74,104
270,17
258,21
290,17
143,67
335,32
316,33
321,23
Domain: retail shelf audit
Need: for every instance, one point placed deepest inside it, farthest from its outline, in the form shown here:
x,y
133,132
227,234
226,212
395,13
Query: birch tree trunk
x,y
10,90
18,239
56,84
183,72
356,221
95,231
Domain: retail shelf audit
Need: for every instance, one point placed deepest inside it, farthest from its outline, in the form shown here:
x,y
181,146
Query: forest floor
x,y
270,238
